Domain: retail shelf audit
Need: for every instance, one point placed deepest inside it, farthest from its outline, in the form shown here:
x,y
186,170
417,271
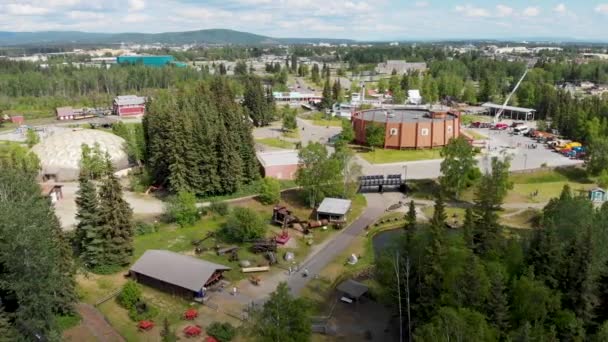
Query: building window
x,y
394,131
424,132
449,129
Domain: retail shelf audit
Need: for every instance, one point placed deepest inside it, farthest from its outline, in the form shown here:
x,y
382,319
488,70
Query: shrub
x,y
143,228
270,191
106,269
244,224
129,295
602,180
68,321
223,332
220,208
182,209
142,311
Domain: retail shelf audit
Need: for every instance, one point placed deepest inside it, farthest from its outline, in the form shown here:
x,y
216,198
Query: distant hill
x,y
212,36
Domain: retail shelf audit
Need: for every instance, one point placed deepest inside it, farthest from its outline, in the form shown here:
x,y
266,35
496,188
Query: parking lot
x,y
499,144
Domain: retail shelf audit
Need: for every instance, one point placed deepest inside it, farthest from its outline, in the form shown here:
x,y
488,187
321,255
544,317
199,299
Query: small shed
x,y
176,273
333,209
597,195
352,289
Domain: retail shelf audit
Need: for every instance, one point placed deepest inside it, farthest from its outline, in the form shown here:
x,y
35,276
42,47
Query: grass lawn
x,y
292,134
455,216
326,123
320,119
384,156
470,118
425,189
548,183
276,142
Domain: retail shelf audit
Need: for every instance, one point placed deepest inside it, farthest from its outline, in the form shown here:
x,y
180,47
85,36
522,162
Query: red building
x,y
129,105
279,164
410,128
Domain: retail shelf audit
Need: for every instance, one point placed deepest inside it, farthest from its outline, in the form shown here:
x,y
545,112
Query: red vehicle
x,y
501,126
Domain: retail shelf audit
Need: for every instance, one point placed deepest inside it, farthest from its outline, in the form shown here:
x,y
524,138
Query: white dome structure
x,y
61,152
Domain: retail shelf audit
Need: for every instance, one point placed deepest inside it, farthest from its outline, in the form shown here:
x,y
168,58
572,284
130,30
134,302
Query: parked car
x,y
501,126
523,129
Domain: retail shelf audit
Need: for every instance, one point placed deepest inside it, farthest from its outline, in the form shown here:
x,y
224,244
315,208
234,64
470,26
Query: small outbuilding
x,y
176,273
279,164
352,289
333,209
597,195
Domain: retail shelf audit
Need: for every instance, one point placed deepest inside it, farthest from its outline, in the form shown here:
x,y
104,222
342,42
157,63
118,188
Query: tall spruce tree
x,y
468,228
433,273
601,310
7,331
545,253
37,269
326,100
497,305
115,222
88,240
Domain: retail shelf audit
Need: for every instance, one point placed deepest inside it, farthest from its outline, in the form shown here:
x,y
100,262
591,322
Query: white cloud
x,y
560,8
421,4
85,15
26,9
504,11
136,5
135,18
602,8
531,12
472,11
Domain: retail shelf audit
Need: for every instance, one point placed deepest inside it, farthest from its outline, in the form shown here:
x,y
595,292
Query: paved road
x,y
501,143
376,206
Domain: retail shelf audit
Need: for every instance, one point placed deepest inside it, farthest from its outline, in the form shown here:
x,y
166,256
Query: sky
x,y
383,20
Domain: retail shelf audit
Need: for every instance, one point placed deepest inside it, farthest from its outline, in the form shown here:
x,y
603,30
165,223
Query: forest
x,y
199,139
486,282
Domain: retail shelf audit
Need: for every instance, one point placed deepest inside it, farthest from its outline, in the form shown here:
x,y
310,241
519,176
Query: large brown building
x,y
410,128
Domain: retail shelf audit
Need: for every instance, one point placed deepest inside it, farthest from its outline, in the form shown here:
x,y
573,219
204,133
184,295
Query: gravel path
x,y
96,324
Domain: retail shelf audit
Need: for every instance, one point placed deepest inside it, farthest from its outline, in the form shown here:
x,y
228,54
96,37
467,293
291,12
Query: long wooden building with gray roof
x,y
176,273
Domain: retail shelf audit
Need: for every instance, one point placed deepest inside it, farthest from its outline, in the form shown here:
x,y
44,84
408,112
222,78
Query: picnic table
x,y
190,314
145,325
192,330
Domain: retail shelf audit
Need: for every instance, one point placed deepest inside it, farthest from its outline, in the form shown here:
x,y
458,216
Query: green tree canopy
x,y
283,318
243,224
458,163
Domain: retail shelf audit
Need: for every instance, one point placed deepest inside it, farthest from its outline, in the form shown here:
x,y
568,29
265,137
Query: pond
x,y
386,239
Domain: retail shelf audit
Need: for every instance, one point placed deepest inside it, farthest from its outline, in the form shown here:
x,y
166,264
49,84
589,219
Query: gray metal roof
x,y
509,108
181,270
352,288
126,100
398,115
334,206
275,158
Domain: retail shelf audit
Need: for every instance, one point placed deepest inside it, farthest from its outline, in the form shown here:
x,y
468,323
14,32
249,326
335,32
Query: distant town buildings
x,y
149,60
400,66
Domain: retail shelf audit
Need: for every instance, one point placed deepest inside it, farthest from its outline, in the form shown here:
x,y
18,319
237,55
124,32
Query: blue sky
x,y
356,19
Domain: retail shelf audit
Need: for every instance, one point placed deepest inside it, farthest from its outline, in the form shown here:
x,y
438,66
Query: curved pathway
x,y
96,323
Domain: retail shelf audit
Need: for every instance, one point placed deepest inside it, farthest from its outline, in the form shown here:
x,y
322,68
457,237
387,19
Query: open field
x,y
292,134
320,119
384,156
276,142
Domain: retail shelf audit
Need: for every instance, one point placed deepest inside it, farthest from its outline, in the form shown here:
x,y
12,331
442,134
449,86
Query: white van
x,y
522,129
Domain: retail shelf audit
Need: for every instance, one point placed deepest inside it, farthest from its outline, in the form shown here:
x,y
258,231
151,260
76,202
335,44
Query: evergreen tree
x,y
458,163
473,289
89,243
37,269
468,228
7,331
336,93
433,274
256,102
601,310
577,283
294,63
315,77
326,101
115,222
497,305
545,254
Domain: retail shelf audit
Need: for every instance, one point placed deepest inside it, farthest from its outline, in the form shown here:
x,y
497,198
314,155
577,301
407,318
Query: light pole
x,y
525,161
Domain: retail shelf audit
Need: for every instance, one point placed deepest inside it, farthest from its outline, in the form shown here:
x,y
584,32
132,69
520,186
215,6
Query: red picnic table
x,y
145,325
210,339
193,330
190,314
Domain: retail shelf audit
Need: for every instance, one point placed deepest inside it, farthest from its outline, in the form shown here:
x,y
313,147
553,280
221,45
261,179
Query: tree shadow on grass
x,y
575,174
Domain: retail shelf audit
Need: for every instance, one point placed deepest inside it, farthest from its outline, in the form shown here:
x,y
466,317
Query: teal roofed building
x,y
149,60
